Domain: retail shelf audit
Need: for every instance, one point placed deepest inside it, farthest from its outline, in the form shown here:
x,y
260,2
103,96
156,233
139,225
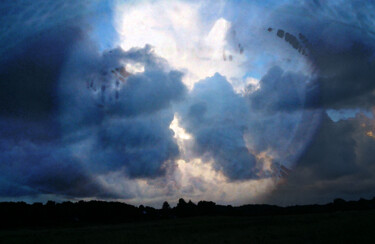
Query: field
x,y
341,227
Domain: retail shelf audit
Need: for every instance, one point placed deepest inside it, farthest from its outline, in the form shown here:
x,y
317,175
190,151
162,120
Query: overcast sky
x,y
145,101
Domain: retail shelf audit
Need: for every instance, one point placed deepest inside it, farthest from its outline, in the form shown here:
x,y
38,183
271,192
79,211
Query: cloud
x,y
236,129
31,169
122,118
336,36
22,23
71,114
216,116
28,79
190,35
80,120
338,163
345,79
278,123
337,73
279,91
34,160
140,146
341,50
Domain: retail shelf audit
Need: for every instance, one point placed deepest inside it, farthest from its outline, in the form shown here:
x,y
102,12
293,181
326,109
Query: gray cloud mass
x,y
58,134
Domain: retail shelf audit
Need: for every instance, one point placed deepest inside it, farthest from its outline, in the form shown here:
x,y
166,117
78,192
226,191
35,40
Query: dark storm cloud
x,y
150,91
28,80
123,117
139,145
216,116
144,92
278,91
332,151
22,21
66,119
93,87
279,122
341,51
339,163
346,77
32,161
30,169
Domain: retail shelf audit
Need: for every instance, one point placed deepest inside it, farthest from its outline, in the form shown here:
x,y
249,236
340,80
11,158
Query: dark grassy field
x,y
341,227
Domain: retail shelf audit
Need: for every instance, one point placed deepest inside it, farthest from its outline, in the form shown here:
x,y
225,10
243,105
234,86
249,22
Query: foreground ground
x,y
343,227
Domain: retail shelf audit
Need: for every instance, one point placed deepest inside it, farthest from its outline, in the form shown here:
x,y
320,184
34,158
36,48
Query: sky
x,y
235,102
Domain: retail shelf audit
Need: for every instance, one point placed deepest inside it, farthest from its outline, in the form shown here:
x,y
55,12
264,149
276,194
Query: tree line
x,y
17,214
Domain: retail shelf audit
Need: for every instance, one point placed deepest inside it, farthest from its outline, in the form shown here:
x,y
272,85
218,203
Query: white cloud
x,y
179,33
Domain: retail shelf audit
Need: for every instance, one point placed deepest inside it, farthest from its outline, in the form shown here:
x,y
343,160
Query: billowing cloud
x,y
279,91
121,118
190,35
216,117
71,114
33,161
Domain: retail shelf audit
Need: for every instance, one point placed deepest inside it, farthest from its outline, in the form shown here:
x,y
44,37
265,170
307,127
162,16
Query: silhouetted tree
x,y
181,203
166,209
50,204
205,207
166,206
190,204
186,209
339,201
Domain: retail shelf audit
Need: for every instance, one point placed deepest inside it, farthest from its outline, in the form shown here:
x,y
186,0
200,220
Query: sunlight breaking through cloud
x,y
183,37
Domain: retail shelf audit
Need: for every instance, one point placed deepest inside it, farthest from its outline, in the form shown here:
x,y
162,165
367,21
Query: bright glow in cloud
x,y
180,35
249,85
135,68
179,132
194,179
214,185
370,134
